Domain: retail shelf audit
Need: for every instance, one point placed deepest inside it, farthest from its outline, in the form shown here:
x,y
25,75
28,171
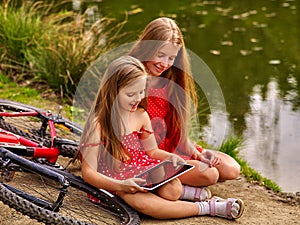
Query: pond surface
x,y
253,50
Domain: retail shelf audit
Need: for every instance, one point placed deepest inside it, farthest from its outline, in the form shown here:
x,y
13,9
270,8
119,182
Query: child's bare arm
x,y
149,143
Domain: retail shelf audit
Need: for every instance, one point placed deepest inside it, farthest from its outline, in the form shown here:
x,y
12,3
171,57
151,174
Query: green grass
x,y
20,27
11,90
231,147
28,95
41,41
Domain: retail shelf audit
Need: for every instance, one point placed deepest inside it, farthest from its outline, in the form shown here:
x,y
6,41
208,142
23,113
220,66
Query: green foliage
x,y
3,79
19,30
252,175
63,56
46,43
231,147
10,90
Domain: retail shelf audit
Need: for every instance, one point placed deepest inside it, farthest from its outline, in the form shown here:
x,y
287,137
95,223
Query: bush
x,y
19,29
48,44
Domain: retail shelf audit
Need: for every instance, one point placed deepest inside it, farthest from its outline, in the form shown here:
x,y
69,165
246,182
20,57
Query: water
x,y
253,48
272,137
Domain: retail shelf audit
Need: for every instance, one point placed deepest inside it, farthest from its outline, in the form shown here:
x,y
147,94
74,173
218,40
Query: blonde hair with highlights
x,y
155,35
104,117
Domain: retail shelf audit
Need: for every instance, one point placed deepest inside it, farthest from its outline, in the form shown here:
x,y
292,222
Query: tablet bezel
x,y
186,168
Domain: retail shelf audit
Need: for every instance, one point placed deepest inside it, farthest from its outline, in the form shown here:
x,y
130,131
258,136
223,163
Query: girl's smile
x,y
163,59
131,95
134,106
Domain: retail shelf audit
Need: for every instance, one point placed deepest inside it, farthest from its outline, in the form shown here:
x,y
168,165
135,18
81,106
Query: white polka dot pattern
x,y
159,107
140,160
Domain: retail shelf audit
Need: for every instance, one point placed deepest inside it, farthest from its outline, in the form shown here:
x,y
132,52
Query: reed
x,y
45,43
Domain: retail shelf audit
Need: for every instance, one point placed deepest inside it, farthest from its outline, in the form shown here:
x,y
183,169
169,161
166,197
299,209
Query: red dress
x,y
140,160
159,110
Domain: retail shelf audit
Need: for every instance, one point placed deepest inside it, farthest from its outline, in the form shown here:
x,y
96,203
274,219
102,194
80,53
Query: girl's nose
x,y
138,98
164,62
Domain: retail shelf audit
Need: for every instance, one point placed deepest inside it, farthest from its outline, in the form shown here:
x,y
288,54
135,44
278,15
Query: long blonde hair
x,y
104,117
157,33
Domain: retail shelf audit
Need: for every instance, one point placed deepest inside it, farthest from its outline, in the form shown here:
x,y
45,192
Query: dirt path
x,y
263,207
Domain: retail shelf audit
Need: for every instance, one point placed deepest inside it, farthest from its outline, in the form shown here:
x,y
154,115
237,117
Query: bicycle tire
x,y
113,204
76,207
27,127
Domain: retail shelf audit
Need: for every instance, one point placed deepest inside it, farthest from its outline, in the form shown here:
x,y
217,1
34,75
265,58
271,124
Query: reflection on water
x,y
272,133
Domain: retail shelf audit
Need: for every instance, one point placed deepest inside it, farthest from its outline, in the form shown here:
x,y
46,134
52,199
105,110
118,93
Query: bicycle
x,y
37,176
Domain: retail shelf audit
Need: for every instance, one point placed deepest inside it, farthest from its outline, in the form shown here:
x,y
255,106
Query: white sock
x,y
204,208
189,193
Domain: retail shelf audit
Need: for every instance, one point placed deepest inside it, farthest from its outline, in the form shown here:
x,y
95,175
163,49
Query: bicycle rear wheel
x,y
35,127
26,187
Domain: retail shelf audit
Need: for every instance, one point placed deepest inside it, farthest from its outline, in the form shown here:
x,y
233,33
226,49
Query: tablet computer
x,y
162,173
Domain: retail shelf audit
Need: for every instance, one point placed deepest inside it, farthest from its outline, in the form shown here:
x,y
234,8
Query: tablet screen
x,y
162,173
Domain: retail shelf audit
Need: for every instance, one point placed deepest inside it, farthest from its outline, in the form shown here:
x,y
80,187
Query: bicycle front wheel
x,y
32,189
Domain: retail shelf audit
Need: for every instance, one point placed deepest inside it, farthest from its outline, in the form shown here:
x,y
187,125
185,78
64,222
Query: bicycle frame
x,y
32,178
36,150
24,147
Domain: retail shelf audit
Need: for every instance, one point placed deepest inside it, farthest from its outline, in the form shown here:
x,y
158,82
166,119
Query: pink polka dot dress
x,y
140,160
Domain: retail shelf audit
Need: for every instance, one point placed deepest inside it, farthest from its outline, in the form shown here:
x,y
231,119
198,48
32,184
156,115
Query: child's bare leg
x,y
228,168
197,177
160,208
171,190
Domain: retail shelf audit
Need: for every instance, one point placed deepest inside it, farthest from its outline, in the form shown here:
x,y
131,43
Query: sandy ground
x,y
262,207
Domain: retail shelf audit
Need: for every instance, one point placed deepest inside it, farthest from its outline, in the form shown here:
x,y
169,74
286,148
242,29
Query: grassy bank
x,y
231,147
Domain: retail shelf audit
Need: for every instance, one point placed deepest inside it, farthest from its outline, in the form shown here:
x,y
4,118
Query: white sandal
x,y
228,213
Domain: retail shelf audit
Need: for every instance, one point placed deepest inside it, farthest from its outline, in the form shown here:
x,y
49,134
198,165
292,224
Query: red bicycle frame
x,y
12,141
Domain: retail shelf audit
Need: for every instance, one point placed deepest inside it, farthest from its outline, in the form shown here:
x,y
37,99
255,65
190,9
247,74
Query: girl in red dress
x,y
171,89
118,143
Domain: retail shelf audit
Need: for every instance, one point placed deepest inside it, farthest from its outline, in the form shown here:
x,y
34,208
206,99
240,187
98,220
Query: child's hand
x,y
131,185
197,155
209,157
177,160
160,129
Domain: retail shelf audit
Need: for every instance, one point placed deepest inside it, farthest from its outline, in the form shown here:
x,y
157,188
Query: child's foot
x,y
196,194
230,208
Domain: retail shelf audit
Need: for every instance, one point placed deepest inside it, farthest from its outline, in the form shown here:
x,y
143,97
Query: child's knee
x,y
234,171
211,176
171,191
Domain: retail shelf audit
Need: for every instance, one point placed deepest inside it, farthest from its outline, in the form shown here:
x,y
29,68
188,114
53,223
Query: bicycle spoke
x,y
75,205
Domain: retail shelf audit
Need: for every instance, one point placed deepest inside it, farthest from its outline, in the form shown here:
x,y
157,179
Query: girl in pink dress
x,y
171,91
118,143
